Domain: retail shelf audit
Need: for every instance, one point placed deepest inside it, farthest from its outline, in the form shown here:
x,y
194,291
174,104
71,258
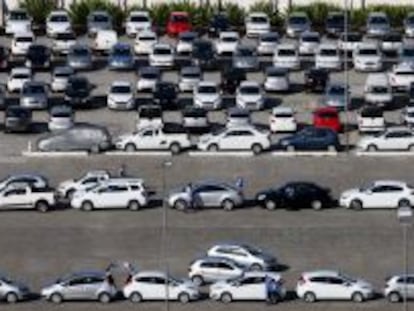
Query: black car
x,y
316,79
165,94
335,23
204,55
4,57
311,138
38,56
17,119
295,195
78,91
411,94
231,79
218,23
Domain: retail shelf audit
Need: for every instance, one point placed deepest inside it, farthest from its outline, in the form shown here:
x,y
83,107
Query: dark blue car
x,y
311,138
121,57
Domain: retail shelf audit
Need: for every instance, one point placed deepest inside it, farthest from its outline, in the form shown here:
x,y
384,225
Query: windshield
x,y
81,52
379,20
187,38
62,75
269,39
100,18
408,52
122,52
315,39
250,90
79,84
65,36
280,74
298,20
139,18
245,52
336,19
352,37
179,19
17,113
286,52
21,76
37,49
34,89
149,75
24,39
258,19
61,114
191,75
18,16
337,90
59,18
207,89
372,52
162,51
121,89
229,39
379,90
147,38
328,52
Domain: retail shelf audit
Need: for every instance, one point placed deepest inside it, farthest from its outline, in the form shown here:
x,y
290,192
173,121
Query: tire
x,y
42,206
227,205
290,148
135,297
213,148
394,297
56,298
270,205
356,205
197,280
69,194
357,297
316,205
226,297
87,206
180,205
257,149
404,203
130,147
372,148
133,205
104,298
175,148
309,297
11,298
256,267
184,298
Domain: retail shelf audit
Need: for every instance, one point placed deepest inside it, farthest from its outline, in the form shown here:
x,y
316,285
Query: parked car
x,y
238,117
231,79
38,56
121,57
316,79
337,95
227,43
68,188
34,180
60,77
148,77
3,93
286,56
80,137
335,23
393,138
399,287
406,53
104,41
156,285
149,115
79,57
20,44
213,269
82,285
409,25
145,41
165,94
18,21
367,57
136,22
243,137
256,24
12,291
18,76
268,42
250,96
407,115
61,117
309,42
185,42
34,95
297,23
78,91
207,95
245,255
295,195
276,80
219,22
245,57
195,119
349,41
121,96
62,43
378,90
283,119
190,77
311,138
378,24
401,76
206,194
250,286
332,285
327,56
17,119
392,42
177,23
24,196
371,119
203,54
327,117
58,21
98,20
162,55
378,194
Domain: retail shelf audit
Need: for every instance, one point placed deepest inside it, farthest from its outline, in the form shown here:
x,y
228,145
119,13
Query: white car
x,y
67,188
257,23
286,56
185,42
127,193
148,78
348,42
190,77
105,39
60,77
136,22
283,119
12,291
402,76
297,23
156,285
236,138
371,119
144,42
393,138
62,43
267,43
392,42
328,57
207,95
17,78
367,57
227,42
409,25
18,21
58,22
332,285
25,196
378,194
21,42
213,269
378,24
250,257
309,42
121,96
251,286
249,95
162,55
398,287
276,80
407,115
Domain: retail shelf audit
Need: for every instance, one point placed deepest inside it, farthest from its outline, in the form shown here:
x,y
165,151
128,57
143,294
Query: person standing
x,y
272,290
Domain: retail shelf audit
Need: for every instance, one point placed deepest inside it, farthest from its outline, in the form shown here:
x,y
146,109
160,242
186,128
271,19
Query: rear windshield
x,y
258,19
286,52
371,113
65,36
149,75
196,113
190,75
379,90
269,39
337,90
298,20
17,113
378,20
147,38
121,89
207,89
352,37
328,52
21,76
311,39
139,18
150,113
18,16
283,114
250,90
61,114
179,19
122,51
62,75
372,52
229,39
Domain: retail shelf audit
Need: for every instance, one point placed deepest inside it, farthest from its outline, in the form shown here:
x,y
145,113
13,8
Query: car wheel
x,y
87,206
309,297
372,148
357,297
130,147
104,298
270,205
197,280
226,297
175,148
42,206
213,148
356,204
257,148
394,297
69,194
133,205
404,203
135,297
11,298
316,205
56,298
184,298
290,148
227,205
180,205
256,267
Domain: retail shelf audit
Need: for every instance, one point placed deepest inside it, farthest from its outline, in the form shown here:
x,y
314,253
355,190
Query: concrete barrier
x,y
221,154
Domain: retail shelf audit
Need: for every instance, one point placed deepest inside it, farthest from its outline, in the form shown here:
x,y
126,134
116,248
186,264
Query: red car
x,y
327,117
178,22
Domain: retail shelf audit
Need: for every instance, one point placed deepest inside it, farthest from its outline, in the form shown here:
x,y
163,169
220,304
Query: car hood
x,y
207,97
349,192
121,97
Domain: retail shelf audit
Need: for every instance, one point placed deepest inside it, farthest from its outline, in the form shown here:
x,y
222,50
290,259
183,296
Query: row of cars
x,y
100,190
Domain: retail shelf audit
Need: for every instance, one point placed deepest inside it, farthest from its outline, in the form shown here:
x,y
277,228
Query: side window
x,y
232,133
90,180
93,280
158,280
248,281
207,265
246,133
224,266
147,133
319,279
379,189
21,191
77,281
337,281
143,280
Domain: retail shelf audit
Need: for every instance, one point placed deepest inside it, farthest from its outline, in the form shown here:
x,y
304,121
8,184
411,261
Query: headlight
x,y
261,197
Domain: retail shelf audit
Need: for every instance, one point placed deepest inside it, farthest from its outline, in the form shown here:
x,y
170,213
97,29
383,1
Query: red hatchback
x,y
327,117
178,22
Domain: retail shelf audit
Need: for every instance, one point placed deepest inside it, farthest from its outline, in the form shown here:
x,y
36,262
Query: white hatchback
x,y
207,95
144,42
286,56
327,57
282,119
136,22
227,42
162,55
367,57
58,22
250,96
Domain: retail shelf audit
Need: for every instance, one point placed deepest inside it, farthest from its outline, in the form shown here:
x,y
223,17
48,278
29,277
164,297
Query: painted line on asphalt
x,y
384,153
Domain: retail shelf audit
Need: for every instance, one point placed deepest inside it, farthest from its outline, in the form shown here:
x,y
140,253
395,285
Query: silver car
x,y
378,24
99,20
12,291
34,95
34,180
245,57
336,95
60,77
297,23
189,78
85,285
79,57
398,286
60,118
206,194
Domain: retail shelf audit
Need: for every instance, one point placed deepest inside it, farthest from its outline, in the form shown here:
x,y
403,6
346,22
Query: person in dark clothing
x,y
272,290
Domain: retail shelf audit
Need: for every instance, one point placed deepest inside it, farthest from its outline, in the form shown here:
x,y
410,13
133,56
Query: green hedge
x,y
38,9
317,12
396,14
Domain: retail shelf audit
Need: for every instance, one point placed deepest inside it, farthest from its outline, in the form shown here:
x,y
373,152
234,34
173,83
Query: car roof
x,y
290,46
122,45
161,45
249,83
96,172
58,12
260,274
122,180
150,273
26,34
183,13
35,83
61,109
404,66
274,69
139,13
298,14
314,273
84,273
389,182
212,182
310,34
17,70
283,110
328,46
190,70
270,34
207,83
187,34
377,14
146,33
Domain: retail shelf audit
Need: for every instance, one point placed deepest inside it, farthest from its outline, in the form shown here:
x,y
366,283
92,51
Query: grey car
x,y
17,119
190,76
84,285
206,194
2,97
245,57
406,54
84,137
34,95
297,23
335,95
12,291
79,57
99,20
378,24
32,179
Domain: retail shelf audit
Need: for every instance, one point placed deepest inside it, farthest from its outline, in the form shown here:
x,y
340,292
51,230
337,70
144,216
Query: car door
x,y
383,196
320,286
146,140
225,271
230,140
74,288
208,195
160,290
112,196
250,288
209,271
339,288
91,286
15,198
398,140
